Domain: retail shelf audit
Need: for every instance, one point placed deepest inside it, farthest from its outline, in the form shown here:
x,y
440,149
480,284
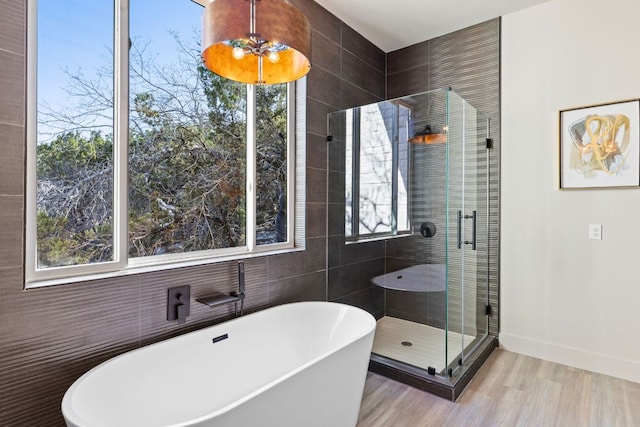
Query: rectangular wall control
x,y
595,231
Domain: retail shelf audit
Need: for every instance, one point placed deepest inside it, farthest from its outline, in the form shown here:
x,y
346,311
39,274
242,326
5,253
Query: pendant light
x,y
256,41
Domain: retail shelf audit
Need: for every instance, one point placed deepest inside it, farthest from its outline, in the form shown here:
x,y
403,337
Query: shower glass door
x,y
412,172
467,230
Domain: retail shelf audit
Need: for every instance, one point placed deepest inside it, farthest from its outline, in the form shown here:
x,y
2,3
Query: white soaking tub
x,y
299,364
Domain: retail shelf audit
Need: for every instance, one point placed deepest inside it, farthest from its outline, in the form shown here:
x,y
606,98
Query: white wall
x,y
565,298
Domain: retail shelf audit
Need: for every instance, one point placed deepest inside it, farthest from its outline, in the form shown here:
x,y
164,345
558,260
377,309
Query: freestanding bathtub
x,y
301,364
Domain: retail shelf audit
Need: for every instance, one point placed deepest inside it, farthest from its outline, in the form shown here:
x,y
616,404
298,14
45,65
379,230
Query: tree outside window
x,y
187,141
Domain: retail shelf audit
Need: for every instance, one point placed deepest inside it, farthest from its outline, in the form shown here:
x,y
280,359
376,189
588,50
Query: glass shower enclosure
x,y
416,175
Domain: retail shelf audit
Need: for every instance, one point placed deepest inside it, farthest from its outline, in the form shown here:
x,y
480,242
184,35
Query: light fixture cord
x,y
252,30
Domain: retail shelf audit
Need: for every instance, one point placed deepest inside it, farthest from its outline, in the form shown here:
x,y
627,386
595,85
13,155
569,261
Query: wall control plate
x,y
175,297
595,231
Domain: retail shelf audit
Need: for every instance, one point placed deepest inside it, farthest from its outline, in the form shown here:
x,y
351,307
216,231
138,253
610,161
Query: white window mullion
x,y
251,169
121,132
31,239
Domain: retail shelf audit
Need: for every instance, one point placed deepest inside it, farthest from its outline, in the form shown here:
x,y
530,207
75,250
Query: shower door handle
x,y
473,230
459,229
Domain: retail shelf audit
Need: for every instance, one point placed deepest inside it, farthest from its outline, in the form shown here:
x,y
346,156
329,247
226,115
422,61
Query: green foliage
x,y
187,151
60,245
74,199
70,152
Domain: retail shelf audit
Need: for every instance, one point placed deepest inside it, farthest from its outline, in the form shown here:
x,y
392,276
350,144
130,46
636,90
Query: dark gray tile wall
x,y
12,68
11,164
468,61
50,336
348,70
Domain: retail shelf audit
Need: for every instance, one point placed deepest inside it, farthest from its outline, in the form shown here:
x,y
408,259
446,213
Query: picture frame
x,y
600,146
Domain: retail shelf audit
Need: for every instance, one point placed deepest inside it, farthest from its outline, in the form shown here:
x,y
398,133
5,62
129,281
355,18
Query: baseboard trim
x,y
574,357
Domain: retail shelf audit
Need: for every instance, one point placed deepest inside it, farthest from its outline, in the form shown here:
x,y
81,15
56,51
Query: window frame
x,y
354,235
121,263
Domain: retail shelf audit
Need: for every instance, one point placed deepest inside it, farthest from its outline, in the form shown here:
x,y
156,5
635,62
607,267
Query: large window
x,y
138,155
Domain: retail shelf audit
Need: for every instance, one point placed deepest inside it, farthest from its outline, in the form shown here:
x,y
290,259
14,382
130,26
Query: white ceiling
x,y
394,24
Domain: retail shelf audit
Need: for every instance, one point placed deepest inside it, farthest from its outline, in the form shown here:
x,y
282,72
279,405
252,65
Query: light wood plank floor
x,y
509,390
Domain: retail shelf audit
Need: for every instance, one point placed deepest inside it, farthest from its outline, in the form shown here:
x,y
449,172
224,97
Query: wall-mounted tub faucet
x,y
241,287
234,297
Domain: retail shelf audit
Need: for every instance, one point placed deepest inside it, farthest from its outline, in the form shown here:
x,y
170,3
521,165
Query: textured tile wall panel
x,y
335,220
428,308
407,82
51,336
12,160
363,82
370,299
407,58
325,54
353,96
356,277
361,74
298,263
412,250
336,187
316,151
307,287
316,185
12,101
320,19
11,226
468,61
317,116
316,223
336,155
12,33
324,87
360,252
354,43
334,243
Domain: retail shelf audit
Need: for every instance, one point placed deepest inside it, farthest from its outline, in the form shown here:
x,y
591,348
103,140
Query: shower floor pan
x,y
427,344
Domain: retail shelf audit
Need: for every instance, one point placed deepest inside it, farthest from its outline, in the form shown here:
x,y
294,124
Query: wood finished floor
x,y
509,390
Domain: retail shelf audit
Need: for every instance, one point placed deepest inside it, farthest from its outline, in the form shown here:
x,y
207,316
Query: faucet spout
x,y
233,297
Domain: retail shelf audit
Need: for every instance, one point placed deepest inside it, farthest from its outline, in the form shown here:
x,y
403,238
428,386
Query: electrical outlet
x,y
595,231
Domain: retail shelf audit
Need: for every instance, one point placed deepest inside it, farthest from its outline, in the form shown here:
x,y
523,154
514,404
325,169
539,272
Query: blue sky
x,y
77,35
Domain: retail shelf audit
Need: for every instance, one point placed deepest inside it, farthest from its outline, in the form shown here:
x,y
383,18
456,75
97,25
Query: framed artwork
x,y
599,146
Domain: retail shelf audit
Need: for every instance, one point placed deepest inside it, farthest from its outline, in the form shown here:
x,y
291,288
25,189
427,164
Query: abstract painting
x,y
599,146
